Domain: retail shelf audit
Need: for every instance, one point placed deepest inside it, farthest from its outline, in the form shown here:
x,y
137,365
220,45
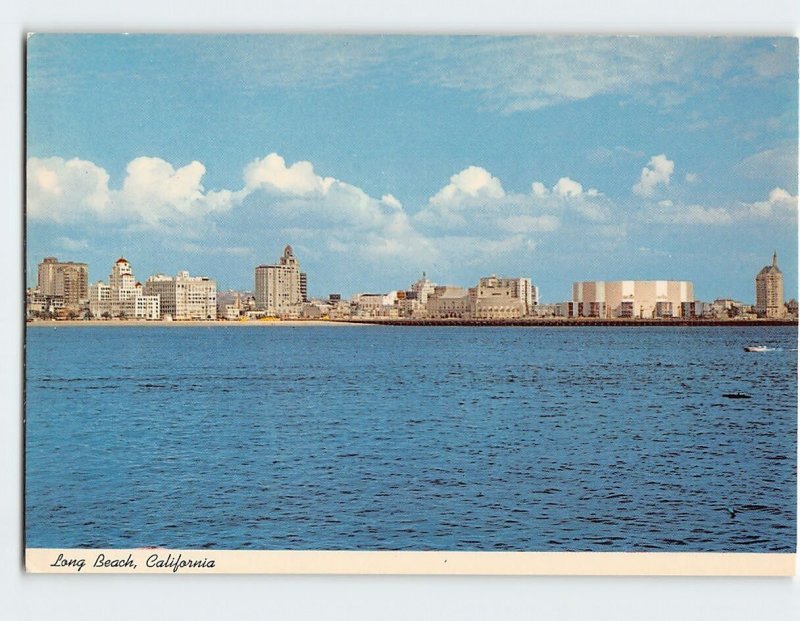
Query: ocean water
x,y
407,438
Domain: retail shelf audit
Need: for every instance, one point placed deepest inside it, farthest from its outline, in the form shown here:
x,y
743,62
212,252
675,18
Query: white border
x,y
344,597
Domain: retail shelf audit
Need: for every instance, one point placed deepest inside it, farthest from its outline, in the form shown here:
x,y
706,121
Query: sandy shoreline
x,y
114,323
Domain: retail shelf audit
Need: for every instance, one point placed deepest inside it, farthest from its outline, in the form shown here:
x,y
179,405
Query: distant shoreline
x,y
530,322
128,323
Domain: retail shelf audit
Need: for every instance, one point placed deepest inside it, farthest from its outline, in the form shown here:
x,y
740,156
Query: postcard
x,y
307,303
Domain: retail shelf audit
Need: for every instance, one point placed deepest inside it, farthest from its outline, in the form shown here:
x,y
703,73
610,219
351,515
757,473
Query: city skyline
x,y
301,283
560,158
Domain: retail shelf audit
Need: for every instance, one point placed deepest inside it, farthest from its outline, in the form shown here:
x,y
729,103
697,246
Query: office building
x,y
66,280
278,287
184,297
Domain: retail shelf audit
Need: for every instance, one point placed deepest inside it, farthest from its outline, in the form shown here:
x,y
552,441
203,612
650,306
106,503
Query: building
x,y
100,299
122,296
503,298
235,311
184,297
303,287
279,290
448,302
693,310
66,280
769,291
422,289
375,304
630,299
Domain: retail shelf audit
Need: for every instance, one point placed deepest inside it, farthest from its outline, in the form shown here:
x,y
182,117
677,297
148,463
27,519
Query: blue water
x,y
552,439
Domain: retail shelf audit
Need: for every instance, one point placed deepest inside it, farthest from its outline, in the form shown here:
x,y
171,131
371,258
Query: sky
x,y
379,157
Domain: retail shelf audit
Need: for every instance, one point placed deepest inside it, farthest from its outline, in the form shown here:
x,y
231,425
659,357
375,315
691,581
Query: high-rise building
x,y
122,296
66,280
121,280
278,287
184,297
769,290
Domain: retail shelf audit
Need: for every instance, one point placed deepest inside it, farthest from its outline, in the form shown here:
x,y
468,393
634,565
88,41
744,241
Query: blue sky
x,y
558,158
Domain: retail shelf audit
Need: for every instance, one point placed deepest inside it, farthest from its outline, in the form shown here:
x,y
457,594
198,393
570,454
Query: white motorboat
x,y
758,348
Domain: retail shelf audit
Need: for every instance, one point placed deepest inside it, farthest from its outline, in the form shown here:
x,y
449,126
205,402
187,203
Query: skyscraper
x,y
69,281
769,290
278,287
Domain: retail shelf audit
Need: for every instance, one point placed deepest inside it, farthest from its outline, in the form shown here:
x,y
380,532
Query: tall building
x,y
769,290
121,280
66,280
122,296
630,299
184,297
278,287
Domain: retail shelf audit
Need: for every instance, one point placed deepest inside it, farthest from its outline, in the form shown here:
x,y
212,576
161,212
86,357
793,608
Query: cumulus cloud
x,y
299,179
62,190
475,202
567,187
473,182
153,192
657,173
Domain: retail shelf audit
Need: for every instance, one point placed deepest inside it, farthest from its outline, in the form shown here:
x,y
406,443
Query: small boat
x,y
737,395
758,348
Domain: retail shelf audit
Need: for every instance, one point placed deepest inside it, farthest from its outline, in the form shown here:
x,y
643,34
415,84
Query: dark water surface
x,y
555,439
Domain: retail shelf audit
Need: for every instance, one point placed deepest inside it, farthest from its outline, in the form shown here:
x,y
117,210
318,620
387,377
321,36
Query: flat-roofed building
x,y
65,279
630,299
503,298
449,302
184,297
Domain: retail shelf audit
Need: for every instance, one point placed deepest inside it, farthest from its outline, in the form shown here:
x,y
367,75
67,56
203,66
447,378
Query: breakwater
x,y
582,322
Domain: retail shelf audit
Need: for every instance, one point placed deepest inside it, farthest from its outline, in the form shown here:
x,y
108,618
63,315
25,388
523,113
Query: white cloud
x,y
657,173
567,187
779,204
473,182
157,192
62,190
153,192
538,189
391,201
691,177
298,179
